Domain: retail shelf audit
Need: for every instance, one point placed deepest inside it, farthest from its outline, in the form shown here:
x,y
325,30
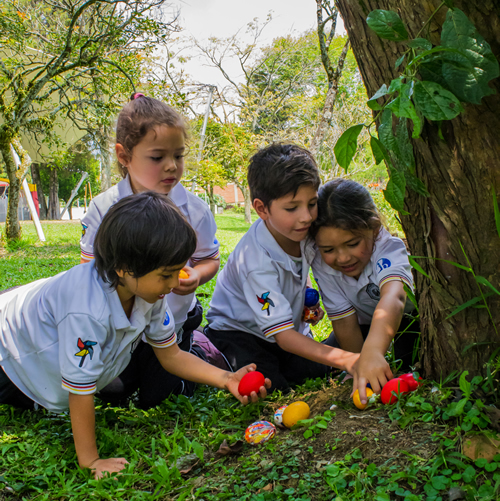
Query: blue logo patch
x,y
216,242
383,263
167,319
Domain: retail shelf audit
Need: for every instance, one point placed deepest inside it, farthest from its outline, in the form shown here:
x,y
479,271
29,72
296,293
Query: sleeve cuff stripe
x,y
342,314
400,278
274,329
87,255
214,255
79,387
163,343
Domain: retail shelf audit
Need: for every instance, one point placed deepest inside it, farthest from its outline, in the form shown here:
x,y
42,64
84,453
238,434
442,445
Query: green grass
x,y
409,451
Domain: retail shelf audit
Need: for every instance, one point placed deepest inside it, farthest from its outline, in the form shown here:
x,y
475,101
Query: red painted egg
x,y
395,385
251,381
412,382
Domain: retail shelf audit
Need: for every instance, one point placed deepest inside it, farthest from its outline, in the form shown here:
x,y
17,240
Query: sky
x,y
223,18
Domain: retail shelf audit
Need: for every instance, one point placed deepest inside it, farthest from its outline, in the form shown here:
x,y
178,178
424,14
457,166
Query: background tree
x,y
457,161
57,57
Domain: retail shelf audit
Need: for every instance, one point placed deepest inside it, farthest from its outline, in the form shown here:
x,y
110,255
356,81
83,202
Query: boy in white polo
x,y
256,309
66,337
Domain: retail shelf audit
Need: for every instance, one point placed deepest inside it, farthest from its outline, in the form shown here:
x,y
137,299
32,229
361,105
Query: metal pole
x,y
29,199
211,89
85,175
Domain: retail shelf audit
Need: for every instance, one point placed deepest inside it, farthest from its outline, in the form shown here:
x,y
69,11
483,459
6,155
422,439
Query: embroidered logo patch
x,y
265,301
383,263
216,242
86,348
84,228
373,291
167,319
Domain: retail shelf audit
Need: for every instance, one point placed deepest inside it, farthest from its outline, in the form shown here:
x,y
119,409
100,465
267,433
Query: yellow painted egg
x,y
357,401
294,413
183,274
259,432
278,416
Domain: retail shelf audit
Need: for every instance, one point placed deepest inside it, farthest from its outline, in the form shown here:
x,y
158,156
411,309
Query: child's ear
x,y
260,208
122,155
120,273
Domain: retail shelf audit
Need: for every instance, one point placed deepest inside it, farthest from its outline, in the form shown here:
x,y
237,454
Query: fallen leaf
x,y
481,446
228,450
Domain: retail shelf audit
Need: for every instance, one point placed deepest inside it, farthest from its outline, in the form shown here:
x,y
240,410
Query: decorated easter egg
x,y
357,401
410,379
183,274
278,416
396,385
251,381
259,432
294,413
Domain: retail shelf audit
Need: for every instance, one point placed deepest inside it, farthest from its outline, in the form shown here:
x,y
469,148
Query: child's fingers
x,y
263,392
362,390
248,368
267,383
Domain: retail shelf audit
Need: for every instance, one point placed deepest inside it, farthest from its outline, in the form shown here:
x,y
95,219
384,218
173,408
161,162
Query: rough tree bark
x,y
105,158
53,195
333,74
459,173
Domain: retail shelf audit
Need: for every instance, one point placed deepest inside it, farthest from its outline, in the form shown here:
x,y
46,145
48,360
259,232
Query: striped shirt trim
x,y
163,343
342,314
87,255
274,329
214,255
399,278
79,388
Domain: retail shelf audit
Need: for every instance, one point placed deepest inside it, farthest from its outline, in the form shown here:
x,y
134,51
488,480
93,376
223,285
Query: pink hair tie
x,y
137,95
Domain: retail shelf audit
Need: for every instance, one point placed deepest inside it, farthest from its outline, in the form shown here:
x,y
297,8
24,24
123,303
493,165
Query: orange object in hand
x,y
183,274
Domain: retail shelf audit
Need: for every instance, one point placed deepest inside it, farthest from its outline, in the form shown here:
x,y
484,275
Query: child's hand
x,y
233,380
188,285
111,465
372,368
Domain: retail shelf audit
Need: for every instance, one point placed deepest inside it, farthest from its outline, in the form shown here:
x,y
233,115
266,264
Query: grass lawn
x,y
194,448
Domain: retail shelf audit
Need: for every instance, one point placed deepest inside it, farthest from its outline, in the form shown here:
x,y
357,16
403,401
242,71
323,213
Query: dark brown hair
x,y
346,205
141,233
281,169
141,115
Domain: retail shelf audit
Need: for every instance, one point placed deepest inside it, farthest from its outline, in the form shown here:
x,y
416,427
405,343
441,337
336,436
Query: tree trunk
x,y
12,226
105,159
211,198
35,175
459,173
248,203
53,195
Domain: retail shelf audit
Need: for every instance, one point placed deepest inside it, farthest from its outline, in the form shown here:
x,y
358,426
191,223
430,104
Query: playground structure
x,y
23,210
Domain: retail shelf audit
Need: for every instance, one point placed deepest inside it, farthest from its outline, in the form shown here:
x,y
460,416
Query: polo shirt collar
x,y
178,195
118,315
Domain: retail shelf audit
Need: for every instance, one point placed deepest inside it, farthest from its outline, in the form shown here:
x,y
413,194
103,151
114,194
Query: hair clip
x,y
137,95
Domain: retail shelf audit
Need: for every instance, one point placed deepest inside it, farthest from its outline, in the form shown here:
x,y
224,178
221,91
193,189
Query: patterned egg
x,y
259,432
278,416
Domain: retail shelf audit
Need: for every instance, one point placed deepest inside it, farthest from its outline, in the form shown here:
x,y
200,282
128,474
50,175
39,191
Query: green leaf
x,y
467,76
496,210
483,281
395,190
420,43
416,184
417,266
385,133
435,102
399,62
468,474
308,434
395,85
387,24
439,482
346,146
465,386
372,102
379,150
466,305
404,146
411,296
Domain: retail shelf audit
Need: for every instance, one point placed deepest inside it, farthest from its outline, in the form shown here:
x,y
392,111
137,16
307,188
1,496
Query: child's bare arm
x,y
199,274
348,333
82,412
298,344
187,366
372,366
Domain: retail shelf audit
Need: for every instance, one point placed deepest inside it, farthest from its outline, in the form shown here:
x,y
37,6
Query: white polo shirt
x,y
260,289
69,333
343,296
195,210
